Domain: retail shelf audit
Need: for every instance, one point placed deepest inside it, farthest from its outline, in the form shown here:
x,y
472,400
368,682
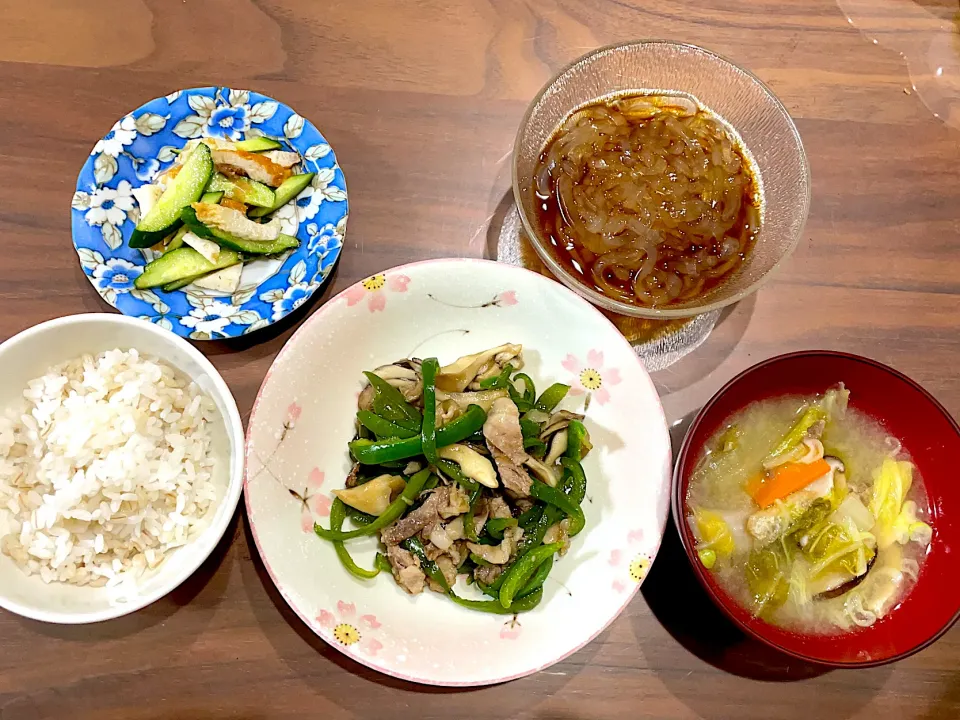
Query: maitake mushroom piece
x,y
468,371
403,375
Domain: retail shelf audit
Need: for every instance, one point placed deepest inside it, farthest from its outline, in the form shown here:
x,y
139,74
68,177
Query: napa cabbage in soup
x,y
809,513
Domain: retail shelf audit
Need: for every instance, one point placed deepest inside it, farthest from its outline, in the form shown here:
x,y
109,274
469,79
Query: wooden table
x,y
421,100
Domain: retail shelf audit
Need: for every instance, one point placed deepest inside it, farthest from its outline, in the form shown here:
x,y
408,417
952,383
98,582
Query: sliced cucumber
x,y
181,264
185,188
179,284
226,240
212,196
170,287
255,247
177,240
288,190
258,144
243,190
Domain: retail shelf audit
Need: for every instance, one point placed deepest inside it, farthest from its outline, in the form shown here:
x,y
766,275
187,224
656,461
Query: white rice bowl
x,y
105,468
120,468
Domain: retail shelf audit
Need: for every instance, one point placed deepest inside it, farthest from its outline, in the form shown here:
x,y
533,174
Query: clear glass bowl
x,y
739,97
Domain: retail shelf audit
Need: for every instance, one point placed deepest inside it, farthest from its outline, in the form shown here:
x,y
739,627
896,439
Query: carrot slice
x,y
786,479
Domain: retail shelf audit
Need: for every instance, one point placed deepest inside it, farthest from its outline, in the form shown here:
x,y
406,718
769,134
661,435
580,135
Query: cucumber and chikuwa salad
x,y
213,209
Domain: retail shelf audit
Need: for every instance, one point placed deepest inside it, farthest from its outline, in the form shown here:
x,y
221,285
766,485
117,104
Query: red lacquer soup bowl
x,y
932,438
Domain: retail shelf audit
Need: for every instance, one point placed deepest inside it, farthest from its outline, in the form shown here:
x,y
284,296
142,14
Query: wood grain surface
x,y
421,100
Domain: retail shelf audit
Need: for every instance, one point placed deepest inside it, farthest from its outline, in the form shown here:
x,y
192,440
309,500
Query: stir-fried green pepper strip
x,y
499,381
576,433
529,387
491,591
337,514
551,397
529,428
383,428
490,606
452,471
811,416
389,403
562,502
377,452
524,401
524,604
469,521
522,570
528,518
428,566
575,480
496,526
537,579
535,446
551,515
428,431
432,483
394,511
382,563
360,518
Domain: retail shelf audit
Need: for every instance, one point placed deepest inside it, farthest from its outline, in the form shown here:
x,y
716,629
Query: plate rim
x,y
662,515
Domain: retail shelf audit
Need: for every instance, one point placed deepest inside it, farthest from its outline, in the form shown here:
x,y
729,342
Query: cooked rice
x,y
105,469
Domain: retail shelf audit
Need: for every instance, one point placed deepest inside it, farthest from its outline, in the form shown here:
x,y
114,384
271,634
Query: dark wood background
x,y
421,99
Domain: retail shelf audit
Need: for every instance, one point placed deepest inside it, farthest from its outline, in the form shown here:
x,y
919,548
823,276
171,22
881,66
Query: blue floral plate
x,y
145,142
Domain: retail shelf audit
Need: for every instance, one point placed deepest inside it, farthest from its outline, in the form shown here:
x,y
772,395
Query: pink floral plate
x,y
304,417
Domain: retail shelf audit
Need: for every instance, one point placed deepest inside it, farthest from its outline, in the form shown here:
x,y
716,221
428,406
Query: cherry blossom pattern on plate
x,y
314,504
374,290
591,377
147,141
631,565
350,631
294,411
501,299
510,630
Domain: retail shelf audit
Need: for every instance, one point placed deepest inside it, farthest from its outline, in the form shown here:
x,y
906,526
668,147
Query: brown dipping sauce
x,y
648,199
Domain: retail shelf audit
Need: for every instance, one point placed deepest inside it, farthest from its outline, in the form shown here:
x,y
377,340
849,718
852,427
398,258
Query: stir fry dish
x,y
810,513
212,210
464,472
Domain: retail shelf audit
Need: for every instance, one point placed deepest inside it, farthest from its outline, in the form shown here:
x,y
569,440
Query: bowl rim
x,y
679,521
370,662
229,501
597,298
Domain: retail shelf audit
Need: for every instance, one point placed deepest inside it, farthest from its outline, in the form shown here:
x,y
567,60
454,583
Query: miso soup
x,y
809,513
